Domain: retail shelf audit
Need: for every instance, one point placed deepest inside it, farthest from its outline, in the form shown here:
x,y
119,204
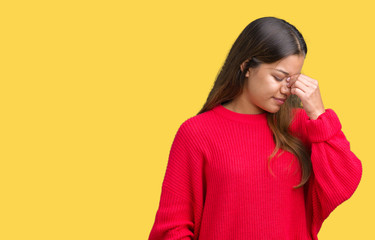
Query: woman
x,y
263,159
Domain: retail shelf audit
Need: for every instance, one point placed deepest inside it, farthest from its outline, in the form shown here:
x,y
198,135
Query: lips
x,y
280,100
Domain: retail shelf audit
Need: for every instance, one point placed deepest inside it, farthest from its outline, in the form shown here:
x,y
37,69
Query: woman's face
x,y
267,82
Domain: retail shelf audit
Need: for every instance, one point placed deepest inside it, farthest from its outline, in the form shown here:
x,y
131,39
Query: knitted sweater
x,y
217,185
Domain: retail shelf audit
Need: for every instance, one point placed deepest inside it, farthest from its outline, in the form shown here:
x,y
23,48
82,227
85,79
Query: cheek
x,y
257,92
253,88
268,87
262,88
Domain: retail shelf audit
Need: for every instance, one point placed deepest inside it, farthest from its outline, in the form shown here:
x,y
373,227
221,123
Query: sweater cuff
x,y
324,127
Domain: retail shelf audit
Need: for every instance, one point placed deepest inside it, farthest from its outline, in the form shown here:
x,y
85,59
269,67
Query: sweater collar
x,y
242,117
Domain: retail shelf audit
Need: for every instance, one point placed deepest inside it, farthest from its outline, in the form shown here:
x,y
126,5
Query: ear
x,y
243,67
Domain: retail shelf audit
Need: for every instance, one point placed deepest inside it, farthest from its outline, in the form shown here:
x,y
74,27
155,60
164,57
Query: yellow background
x,y
93,92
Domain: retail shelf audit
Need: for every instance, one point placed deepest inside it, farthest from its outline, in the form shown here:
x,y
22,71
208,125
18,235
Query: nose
x,y
284,88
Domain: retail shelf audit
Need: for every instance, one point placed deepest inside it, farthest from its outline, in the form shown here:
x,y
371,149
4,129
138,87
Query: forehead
x,y
289,65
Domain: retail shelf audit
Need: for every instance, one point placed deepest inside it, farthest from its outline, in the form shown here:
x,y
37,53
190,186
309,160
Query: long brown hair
x,y
265,40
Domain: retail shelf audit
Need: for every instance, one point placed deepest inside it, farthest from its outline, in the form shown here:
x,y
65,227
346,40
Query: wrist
x,y
315,116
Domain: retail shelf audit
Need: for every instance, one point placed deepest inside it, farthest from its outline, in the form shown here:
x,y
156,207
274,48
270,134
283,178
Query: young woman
x,y
263,159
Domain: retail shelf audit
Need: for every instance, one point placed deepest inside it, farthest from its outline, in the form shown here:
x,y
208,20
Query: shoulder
x,y
191,135
198,122
198,128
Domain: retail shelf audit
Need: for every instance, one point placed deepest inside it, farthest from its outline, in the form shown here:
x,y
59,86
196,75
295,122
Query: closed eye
x,y
278,79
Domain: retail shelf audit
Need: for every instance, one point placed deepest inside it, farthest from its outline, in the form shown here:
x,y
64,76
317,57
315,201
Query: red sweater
x,y
217,184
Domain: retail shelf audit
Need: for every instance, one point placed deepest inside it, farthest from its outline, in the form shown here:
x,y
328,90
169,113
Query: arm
x,y
181,200
336,170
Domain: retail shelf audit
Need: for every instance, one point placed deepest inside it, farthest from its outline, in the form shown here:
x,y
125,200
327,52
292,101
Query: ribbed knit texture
x,y
217,185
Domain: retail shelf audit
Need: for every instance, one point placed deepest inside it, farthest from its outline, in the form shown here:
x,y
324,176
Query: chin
x,y
273,110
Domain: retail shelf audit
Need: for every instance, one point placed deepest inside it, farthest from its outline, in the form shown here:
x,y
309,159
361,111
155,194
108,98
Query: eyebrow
x,y
286,73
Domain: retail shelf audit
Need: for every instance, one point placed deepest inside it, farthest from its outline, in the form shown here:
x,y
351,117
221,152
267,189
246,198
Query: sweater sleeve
x,y
336,169
180,207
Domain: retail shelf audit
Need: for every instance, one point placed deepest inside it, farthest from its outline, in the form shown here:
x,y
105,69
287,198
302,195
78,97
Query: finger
x,y
303,81
298,92
292,79
309,79
301,86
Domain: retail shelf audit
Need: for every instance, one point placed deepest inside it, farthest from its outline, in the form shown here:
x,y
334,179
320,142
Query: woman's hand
x,y
307,89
